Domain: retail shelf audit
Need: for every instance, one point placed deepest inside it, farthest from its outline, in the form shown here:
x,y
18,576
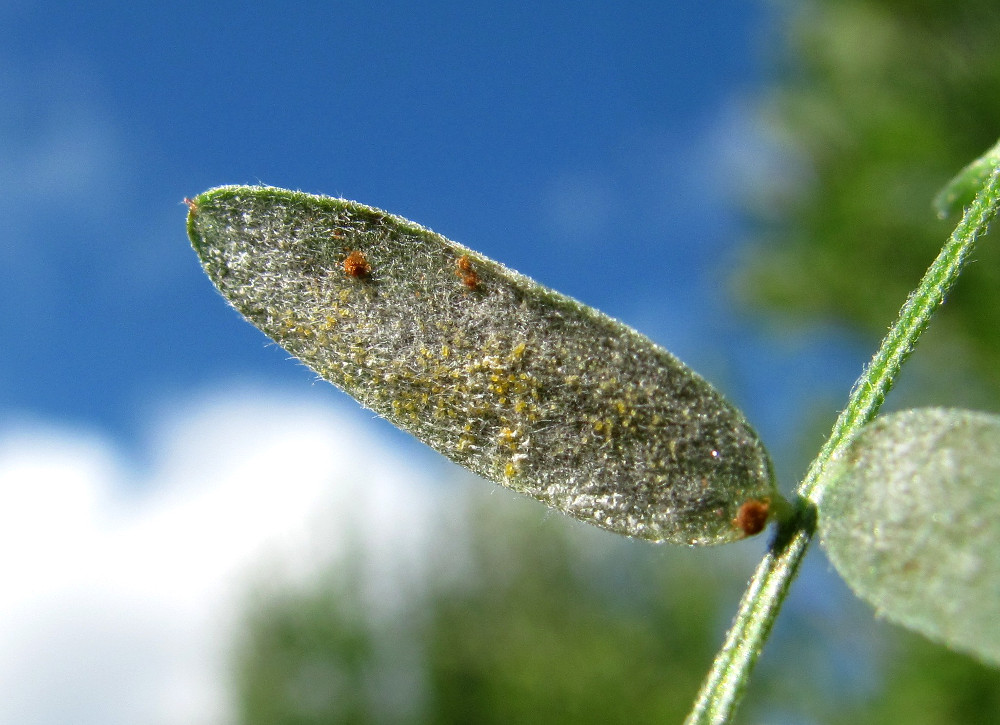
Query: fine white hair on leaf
x,y
516,382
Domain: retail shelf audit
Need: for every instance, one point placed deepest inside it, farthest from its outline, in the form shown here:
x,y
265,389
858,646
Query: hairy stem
x,y
720,693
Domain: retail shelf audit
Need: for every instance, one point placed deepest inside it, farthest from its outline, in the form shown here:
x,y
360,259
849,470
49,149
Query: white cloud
x,y
120,589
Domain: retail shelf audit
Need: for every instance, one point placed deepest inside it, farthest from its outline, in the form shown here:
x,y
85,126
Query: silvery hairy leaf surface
x,y
516,382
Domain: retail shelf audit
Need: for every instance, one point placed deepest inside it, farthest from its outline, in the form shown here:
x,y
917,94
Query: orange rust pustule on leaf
x,y
356,265
752,516
465,270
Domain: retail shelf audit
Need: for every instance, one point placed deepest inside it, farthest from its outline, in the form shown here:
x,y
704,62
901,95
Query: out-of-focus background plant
x,y
874,103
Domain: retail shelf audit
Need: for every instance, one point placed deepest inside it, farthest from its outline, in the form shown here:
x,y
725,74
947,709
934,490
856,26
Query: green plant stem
x,y
724,685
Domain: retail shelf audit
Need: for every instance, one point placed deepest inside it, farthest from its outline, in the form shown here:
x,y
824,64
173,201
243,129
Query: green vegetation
x,y
876,106
521,624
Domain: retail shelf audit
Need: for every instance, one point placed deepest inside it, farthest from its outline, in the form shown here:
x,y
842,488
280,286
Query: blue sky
x,y
586,145
594,146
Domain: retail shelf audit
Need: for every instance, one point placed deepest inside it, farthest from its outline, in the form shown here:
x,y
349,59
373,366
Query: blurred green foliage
x,y
924,683
534,624
877,105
